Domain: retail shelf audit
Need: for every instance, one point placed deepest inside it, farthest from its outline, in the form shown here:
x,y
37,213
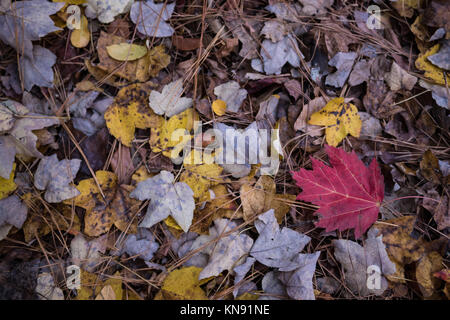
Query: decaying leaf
x,y
426,267
432,72
55,177
183,284
169,102
349,194
141,69
201,177
224,251
400,246
173,132
356,260
262,197
12,213
130,110
340,119
150,18
102,213
167,198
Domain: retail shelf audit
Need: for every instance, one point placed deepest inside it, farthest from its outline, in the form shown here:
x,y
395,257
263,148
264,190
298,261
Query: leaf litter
x,y
109,161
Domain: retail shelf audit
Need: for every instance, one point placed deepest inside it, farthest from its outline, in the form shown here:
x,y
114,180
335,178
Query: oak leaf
x,y
349,194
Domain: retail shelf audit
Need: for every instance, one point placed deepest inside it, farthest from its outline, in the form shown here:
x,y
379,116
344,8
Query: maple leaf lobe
x,y
348,194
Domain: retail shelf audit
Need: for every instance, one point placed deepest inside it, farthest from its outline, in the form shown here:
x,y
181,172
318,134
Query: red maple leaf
x,y
349,194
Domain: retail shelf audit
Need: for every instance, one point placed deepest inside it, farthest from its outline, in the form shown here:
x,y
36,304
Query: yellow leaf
x,y
80,37
129,111
183,284
116,209
7,186
426,267
170,222
90,285
431,71
201,177
140,174
158,59
261,197
221,204
400,246
340,119
141,69
126,51
173,132
219,107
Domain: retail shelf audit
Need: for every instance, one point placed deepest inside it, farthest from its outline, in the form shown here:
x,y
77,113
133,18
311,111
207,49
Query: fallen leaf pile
x,y
224,150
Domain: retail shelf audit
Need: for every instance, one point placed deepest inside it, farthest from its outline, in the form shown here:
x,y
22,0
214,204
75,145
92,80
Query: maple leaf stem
x,y
409,197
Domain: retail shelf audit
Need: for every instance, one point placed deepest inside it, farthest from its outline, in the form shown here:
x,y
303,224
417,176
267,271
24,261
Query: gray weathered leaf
x,y
183,245
150,18
142,244
37,71
55,177
167,198
360,73
47,289
225,252
24,21
169,101
274,30
442,57
439,93
106,10
276,54
356,259
299,281
343,61
273,288
232,94
277,248
12,213
397,78
9,112
21,140
87,254
240,272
